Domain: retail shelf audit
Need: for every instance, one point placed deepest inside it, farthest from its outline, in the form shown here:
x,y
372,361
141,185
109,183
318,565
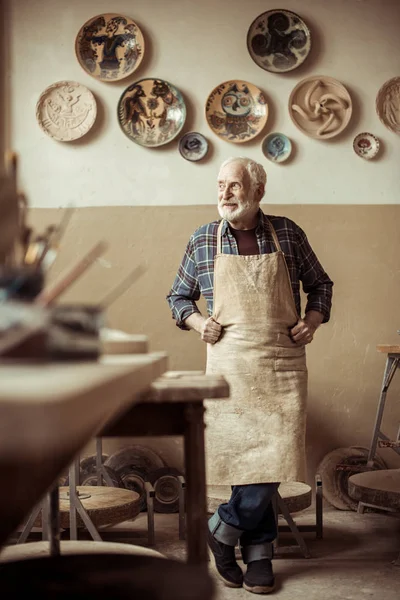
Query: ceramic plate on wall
x,y
320,107
151,112
366,145
236,111
109,47
276,147
388,104
193,146
278,41
66,111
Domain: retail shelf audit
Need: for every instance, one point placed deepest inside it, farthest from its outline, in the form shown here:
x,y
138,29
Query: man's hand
x,y
303,332
211,331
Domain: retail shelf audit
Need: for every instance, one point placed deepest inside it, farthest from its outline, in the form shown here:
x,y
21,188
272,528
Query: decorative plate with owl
x,y
236,111
109,47
278,41
151,112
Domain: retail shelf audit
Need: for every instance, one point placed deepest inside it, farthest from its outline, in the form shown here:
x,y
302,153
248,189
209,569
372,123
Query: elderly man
x,y
248,266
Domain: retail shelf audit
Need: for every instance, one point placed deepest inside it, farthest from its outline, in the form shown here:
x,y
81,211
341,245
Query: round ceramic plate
x,y
109,47
276,147
236,111
151,112
366,145
66,111
193,146
278,41
320,107
388,104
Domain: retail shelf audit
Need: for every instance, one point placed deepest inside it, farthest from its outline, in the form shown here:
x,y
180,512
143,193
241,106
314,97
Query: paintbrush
x,y
52,293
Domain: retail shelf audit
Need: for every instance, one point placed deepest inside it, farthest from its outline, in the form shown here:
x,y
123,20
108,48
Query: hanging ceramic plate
x,y
276,147
388,104
193,146
151,112
320,107
109,47
366,145
236,111
66,111
278,41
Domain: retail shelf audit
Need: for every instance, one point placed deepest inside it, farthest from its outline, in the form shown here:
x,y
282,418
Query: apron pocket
x,y
290,363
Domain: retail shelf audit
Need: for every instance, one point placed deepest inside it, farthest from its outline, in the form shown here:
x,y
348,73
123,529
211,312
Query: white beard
x,y
235,215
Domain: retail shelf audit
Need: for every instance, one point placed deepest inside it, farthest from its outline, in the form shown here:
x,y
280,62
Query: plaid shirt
x,y
196,272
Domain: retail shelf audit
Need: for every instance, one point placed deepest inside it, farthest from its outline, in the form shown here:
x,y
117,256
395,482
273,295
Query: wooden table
x,y
48,413
174,406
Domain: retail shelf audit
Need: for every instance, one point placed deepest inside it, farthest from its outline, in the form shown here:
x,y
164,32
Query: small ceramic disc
x,y
366,145
276,147
193,146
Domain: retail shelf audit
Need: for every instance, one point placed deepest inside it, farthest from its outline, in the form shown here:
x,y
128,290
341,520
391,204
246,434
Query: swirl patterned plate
x,y
388,104
151,112
366,145
320,107
193,146
278,41
66,111
236,111
109,47
276,147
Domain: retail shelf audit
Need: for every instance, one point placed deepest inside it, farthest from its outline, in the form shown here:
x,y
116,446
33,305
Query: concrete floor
x,y
352,562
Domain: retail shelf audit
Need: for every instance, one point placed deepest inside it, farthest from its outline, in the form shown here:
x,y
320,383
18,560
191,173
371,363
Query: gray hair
x,y
256,172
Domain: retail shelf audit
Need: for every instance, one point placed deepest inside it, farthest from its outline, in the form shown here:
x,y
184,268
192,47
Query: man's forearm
x,y
314,318
195,321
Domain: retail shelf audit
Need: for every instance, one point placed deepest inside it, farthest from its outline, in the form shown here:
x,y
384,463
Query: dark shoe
x,y
259,577
225,561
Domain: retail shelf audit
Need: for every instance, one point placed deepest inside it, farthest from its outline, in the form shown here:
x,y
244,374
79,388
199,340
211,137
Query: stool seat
x,y
296,495
388,348
42,549
380,488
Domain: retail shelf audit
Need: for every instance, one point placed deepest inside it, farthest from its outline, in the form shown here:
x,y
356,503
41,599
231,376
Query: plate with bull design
x,y
109,47
66,111
151,112
279,41
366,145
236,111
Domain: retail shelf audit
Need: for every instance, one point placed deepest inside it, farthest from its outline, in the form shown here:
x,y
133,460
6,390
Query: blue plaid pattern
x,y
196,272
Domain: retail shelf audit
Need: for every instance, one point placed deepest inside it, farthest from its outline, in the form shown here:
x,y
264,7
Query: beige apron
x,y
258,434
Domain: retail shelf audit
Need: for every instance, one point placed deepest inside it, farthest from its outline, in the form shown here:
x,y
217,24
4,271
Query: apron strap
x,y
219,236
274,236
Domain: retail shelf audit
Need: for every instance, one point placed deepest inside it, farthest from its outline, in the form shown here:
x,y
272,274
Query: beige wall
x,y
359,248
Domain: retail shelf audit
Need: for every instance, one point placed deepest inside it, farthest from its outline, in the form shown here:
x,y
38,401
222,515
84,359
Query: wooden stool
x,y
377,489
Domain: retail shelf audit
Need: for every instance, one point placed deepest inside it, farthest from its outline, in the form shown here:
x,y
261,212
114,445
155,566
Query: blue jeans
x,y
250,510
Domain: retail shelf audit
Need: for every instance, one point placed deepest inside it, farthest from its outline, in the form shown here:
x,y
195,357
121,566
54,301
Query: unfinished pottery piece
x,y
66,111
109,47
388,104
320,107
236,111
278,41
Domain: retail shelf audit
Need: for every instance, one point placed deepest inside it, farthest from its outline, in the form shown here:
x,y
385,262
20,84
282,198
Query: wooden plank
x,y
388,348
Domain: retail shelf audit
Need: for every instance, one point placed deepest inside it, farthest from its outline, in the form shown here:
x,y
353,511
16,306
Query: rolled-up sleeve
x,y
185,290
316,282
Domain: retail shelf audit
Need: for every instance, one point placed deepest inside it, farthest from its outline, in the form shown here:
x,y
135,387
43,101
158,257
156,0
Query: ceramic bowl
x,y
320,107
236,111
193,146
66,111
109,47
276,147
366,145
388,104
279,41
151,112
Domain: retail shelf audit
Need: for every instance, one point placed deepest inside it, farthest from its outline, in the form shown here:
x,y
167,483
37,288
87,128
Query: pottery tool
x,y
52,293
122,287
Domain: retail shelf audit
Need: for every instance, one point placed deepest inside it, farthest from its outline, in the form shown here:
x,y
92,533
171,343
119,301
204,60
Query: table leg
x,y
54,522
195,474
